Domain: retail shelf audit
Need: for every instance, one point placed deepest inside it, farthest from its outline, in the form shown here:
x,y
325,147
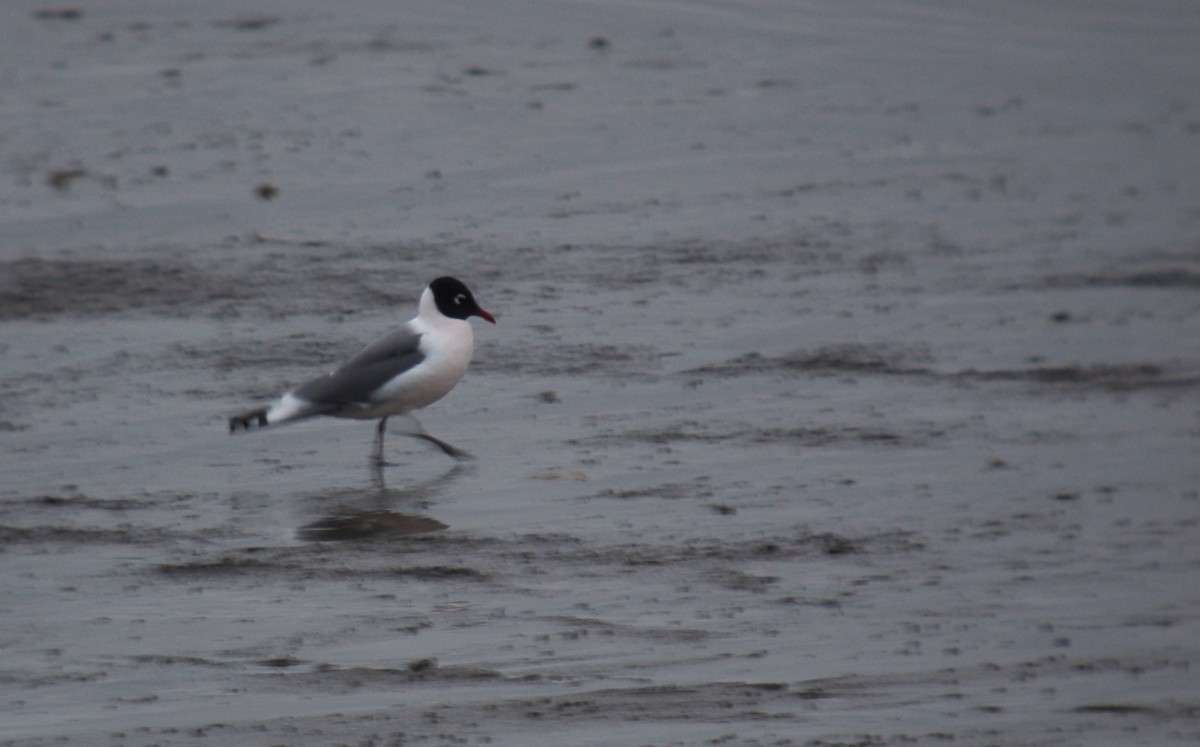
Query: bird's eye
x,y
458,300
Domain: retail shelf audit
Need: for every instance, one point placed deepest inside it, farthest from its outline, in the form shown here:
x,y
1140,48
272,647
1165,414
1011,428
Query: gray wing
x,y
356,379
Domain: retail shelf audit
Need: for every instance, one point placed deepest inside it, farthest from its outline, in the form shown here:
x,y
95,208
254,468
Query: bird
x,y
408,369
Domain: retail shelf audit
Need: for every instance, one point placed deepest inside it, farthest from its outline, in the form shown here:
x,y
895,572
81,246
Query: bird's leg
x,y
377,479
379,441
447,449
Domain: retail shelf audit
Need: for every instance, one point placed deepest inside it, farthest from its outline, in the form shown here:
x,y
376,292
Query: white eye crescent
x,y
459,299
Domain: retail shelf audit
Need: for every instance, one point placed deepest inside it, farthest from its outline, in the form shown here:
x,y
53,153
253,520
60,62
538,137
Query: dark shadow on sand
x,y
369,513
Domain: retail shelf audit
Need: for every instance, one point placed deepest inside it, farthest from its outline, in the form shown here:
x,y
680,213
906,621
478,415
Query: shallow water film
x,y
845,391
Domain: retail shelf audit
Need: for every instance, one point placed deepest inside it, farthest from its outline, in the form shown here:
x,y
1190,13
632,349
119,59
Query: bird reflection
x,y
368,514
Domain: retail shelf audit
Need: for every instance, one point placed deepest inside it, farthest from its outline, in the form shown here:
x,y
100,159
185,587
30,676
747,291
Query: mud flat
x,y
846,386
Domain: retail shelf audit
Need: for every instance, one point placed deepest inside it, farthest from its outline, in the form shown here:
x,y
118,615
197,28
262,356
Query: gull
x,y
408,369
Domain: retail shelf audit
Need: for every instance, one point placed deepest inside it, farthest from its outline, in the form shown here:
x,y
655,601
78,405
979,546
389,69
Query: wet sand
x,y
845,390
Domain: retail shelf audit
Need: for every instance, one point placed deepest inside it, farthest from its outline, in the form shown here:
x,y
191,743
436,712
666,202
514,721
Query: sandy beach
x,y
845,390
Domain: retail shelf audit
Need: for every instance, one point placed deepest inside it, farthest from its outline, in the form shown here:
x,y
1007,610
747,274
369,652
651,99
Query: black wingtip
x,y
247,420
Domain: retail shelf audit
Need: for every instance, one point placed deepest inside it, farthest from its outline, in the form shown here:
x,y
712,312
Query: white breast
x,y
447,345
